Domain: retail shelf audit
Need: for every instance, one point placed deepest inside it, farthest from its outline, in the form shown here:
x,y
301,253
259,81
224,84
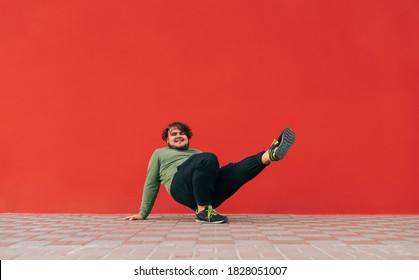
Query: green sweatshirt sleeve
x,y
151,185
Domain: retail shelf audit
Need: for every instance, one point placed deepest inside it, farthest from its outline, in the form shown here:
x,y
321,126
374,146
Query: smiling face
x,y
176,139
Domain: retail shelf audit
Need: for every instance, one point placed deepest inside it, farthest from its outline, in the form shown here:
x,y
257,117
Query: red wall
x,y
86,88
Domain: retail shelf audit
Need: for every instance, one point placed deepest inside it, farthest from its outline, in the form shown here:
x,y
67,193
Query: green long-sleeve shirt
x,y
161,169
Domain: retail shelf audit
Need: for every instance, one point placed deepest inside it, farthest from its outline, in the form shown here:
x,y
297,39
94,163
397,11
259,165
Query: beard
x,y
184,147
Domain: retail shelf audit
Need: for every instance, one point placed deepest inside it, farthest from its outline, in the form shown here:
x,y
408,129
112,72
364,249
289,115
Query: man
x,y
194,178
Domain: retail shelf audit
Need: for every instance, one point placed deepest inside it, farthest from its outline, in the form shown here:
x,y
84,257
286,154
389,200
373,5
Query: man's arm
x,y
151,186
151,189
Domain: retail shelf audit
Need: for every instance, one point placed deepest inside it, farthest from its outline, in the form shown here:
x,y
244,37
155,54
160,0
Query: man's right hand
x,y
134,217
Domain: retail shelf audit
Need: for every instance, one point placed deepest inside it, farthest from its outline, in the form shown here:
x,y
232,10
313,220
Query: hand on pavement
x,y
134,217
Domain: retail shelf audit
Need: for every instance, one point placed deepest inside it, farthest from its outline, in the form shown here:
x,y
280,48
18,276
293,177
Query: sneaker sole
x,y
288,138
206,222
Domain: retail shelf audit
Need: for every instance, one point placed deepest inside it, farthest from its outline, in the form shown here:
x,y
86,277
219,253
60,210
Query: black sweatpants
x,y
201,181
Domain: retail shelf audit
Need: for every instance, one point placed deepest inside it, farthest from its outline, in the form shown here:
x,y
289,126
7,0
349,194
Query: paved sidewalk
x,y
85,236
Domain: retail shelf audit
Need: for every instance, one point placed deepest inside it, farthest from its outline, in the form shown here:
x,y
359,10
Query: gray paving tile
x,y
116,235
325,242
398,242
353,238
312,235
104,243
284,238
31,243
11,240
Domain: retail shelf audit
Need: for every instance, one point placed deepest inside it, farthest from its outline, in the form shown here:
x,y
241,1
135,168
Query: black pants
x,y
201,181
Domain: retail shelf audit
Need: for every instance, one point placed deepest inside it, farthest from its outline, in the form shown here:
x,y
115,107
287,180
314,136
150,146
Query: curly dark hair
x,y
181,126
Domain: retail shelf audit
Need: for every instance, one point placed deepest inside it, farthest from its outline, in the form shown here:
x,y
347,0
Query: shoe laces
x,y
211,212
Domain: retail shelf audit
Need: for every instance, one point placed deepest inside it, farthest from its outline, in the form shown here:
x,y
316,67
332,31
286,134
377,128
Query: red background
x,y
87,87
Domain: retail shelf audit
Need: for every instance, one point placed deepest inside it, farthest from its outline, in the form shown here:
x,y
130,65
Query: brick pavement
x,y
271,237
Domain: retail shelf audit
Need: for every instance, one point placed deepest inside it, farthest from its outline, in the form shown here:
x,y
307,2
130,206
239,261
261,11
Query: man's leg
x,y
193,186
234,175
194,182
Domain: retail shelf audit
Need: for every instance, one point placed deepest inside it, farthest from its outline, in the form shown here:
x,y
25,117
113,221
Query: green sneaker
x,y
280,146
208,215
